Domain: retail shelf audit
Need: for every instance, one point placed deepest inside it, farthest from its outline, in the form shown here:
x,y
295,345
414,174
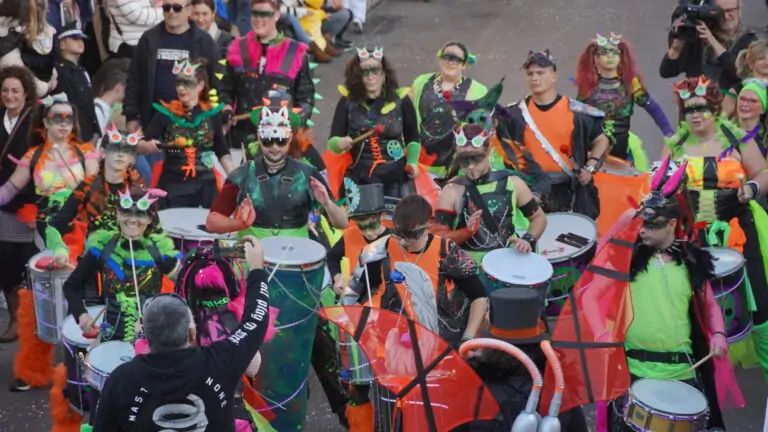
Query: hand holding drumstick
x,y
88,325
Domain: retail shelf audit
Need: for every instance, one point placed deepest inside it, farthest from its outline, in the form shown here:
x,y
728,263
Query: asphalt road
x,y
500,33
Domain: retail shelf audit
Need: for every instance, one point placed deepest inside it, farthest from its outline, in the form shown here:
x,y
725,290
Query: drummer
x,y
565,137
135,262
451,272
671,297
95,199
476,210
273,194
366,211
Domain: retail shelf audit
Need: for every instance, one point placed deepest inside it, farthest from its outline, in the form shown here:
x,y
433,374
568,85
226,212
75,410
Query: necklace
x,y
670,250
274,167
438,87
418,254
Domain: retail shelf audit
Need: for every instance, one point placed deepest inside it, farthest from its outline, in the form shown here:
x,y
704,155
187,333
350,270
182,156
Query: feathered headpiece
x,y
115,140
661,202
365,54
184,68
608,42
481,111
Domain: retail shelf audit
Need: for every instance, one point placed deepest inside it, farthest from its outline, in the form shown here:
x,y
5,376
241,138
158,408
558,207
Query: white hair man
x,y
178,386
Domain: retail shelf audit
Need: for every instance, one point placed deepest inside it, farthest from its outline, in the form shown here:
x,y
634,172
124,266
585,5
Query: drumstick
x,y
135,279
64,161
244,159
375,131
95,328
701,362
277,264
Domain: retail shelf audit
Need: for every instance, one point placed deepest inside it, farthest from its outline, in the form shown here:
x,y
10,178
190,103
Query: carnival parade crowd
x,y
172,234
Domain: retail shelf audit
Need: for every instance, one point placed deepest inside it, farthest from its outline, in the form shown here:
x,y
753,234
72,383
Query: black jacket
x,y
16,148
140,85
692,64
75,82
194,384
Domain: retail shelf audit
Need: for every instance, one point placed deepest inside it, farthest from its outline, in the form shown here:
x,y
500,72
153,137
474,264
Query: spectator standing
x,y
74,80
26,39
109,92
128,20
204,14
151,78
359,10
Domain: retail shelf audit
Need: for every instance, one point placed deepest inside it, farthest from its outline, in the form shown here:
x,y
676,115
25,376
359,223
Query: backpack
x,y
214,293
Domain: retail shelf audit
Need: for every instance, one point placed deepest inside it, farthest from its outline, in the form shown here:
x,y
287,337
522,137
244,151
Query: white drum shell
x,y
103,359
48,294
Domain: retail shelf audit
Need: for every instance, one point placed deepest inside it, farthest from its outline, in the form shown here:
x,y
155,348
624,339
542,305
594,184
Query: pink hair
x,y
210,277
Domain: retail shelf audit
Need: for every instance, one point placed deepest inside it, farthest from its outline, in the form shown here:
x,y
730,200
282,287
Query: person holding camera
x,y
706,38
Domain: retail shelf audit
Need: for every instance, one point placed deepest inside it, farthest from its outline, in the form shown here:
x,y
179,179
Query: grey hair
x,y
167,321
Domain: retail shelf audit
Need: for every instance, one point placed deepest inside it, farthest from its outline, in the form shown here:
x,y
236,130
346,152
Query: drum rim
x,y
172,233
71,317
677,383
56,273
504,250
296,243
92,367
712,249
579,252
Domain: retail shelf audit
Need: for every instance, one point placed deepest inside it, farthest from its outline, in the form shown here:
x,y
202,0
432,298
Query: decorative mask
x,y
144,203
121,142
49,100
365,54
608,42
275,125
663,189
477,141
184,68
700,90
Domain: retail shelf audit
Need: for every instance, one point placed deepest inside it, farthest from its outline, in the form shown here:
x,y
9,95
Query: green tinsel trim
x,y
179,121
54,242
98,240
684,129
130,311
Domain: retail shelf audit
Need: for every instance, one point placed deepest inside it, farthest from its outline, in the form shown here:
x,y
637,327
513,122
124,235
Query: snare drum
x,y
565,243
48,293
730,290
102,360
299,270
183,225
76,345
665,406
508,268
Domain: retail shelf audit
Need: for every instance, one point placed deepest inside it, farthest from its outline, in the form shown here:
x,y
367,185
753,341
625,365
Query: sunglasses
x,y
451,58
413,234
176,8
655,224
607,52
61,118
186,82
368,225
121,148
134,212
372,71
698,108
262,13
274,142
467,161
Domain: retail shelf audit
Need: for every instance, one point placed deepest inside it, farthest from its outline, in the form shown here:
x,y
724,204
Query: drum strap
x,y
543,140
477,197
658,357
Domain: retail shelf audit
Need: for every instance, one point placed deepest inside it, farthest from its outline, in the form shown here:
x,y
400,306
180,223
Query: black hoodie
x,y
190,389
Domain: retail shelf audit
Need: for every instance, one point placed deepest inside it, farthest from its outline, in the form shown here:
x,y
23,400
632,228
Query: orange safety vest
x,y
556,124
354,242
429,262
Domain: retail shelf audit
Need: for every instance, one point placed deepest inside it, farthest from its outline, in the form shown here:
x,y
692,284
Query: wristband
x,y
593,158
718,333
755,188
529,238
466,337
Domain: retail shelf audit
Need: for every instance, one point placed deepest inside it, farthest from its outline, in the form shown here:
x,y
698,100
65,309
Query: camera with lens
x,y
693,11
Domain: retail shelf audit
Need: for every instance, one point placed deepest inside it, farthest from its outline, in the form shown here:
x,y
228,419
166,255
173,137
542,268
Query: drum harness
x,y
489,225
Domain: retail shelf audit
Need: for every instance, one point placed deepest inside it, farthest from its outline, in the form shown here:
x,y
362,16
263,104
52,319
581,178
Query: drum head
x,y
182,223
516,268
673,397
292,251
52,273
71,332
727,261
107,356
561,224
